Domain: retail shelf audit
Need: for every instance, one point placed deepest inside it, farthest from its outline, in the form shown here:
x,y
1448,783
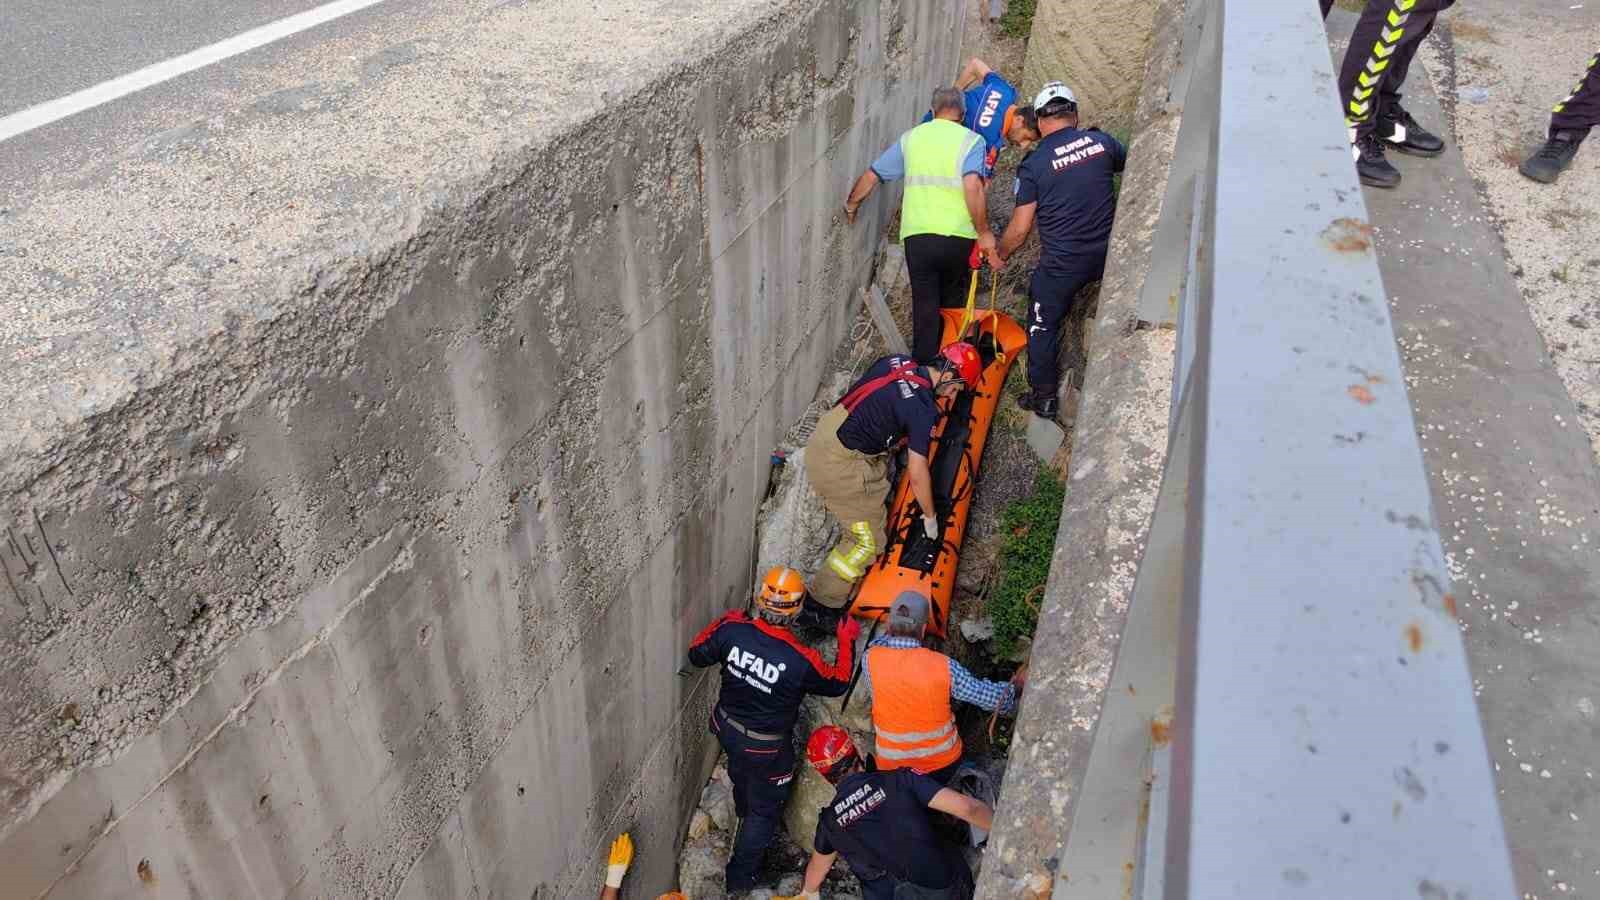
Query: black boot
x,y
1371,164
1043,404
817,620
1401,132
1547,164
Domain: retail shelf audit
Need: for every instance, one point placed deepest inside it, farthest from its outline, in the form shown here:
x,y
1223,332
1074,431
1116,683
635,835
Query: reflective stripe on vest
x,y
935,201
911,708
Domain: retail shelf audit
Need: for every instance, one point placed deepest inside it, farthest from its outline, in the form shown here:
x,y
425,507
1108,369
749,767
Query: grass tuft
x,y
1029,528
1018,20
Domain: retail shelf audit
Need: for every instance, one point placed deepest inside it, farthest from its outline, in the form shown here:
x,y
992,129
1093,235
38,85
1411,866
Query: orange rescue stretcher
x,y
911,561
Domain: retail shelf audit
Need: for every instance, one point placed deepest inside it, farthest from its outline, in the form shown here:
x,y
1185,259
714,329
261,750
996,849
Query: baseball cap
x,y
910,608
1052,92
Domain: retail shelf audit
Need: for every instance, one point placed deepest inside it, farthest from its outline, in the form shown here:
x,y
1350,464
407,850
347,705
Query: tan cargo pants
x,y
853,487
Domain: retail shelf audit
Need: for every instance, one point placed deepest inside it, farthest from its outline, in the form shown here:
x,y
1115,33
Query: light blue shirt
x,y
891,165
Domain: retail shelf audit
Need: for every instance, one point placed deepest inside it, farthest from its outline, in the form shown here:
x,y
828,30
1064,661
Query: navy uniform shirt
x,y
888,813
1069,176
897,410
766,671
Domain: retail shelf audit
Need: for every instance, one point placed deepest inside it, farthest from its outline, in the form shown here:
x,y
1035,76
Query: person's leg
x,y
1386,30
924,265
1049,300
955,256
1394,124
852,487
1569,125
1326,6
768,774
1580,111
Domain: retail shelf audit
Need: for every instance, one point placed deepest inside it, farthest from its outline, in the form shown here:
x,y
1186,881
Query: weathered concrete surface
x,y
373,448
1517,493
1098,47
1119,446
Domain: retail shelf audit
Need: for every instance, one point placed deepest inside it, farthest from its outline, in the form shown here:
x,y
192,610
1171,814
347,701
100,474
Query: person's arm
x,y
978,209
833,681
889,166
859,192
1017,229
921,483
1119,154
705,650
973,72
981,692
968,809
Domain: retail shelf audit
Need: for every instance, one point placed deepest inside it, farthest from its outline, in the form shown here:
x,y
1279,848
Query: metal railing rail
x,y
1290,713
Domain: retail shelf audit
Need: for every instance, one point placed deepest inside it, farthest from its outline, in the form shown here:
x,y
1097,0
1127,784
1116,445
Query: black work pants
x,y
1050,294
762,773
939,273
1581,110
1381,49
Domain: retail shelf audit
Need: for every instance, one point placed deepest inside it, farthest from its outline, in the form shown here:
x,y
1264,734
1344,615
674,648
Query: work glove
x,y
930,527
849,629
621,857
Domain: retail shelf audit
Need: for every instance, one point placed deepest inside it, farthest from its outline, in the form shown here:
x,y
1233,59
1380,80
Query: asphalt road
x,y
51,49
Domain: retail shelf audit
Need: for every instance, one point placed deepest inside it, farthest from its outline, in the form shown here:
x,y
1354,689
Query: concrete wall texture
x,y
372,451
1098,48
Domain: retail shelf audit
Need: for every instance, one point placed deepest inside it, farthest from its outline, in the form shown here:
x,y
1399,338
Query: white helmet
x,y
1052,92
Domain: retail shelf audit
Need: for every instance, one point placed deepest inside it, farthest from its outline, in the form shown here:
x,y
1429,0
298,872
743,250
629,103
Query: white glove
x,y
930,527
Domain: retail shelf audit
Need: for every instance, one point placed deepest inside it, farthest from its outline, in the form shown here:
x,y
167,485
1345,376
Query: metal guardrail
x,y
1290,713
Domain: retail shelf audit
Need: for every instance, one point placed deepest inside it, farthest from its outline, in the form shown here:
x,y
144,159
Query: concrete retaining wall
x,y
1098,48
1118,453
352,543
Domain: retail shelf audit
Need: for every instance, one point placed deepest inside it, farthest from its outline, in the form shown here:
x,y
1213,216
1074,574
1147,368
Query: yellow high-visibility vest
x,y
934,200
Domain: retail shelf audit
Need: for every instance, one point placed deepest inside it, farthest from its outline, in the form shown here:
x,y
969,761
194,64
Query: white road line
x,y
166,70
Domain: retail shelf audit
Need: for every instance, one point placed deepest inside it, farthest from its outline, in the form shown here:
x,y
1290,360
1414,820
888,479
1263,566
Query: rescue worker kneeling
x,y
847,458
913,689
766,673
880,821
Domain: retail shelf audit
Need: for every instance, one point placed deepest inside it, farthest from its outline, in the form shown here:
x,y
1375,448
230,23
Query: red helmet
x,y
831,752
962,359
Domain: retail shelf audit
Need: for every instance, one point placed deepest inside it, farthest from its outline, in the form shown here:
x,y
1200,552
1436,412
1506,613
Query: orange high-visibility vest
x,y
911,709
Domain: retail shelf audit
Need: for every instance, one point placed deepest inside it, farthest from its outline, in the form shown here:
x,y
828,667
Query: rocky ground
x,y
1499,67
795,530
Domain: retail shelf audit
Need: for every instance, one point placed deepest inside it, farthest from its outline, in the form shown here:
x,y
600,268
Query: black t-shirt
x,y
888,813
897,410
1069,176
766,672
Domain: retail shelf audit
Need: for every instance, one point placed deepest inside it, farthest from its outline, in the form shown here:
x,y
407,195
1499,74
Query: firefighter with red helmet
x,y
766,673
891,405
881,822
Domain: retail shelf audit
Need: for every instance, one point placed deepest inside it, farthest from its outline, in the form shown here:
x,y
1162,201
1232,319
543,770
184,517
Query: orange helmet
x,y
962,359
781,592
673,895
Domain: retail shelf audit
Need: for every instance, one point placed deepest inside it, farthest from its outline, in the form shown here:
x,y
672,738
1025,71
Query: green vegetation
x,y
1018,20
1029,528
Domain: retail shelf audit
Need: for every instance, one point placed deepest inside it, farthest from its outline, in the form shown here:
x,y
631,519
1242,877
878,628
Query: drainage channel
x,y
795,530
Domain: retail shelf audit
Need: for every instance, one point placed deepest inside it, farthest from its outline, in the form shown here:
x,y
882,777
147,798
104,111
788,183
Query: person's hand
x,y
621,857
849,629
803,895
991,250
930,527
850,212
1019,679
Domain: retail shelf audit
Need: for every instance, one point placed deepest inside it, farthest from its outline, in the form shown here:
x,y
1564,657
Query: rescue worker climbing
x,y
1569,125
766,673
914,690
993,112
942,213
1065,188
1374,70
880,822
891,405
